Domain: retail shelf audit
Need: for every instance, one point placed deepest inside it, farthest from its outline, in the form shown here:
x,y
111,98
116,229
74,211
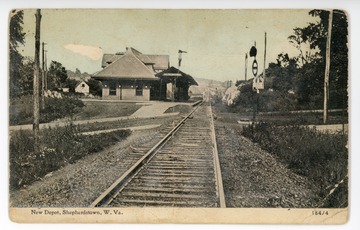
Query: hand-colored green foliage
x,y
59,147
321,157
21,109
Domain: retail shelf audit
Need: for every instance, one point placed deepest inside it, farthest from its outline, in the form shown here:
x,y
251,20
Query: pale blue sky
x,y
216,40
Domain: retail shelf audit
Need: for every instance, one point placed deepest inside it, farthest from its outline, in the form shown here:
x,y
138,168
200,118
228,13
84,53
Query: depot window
x,y
112,88
139,91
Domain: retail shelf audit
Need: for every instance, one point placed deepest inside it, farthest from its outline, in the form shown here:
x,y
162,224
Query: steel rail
x,y
109,194
217,169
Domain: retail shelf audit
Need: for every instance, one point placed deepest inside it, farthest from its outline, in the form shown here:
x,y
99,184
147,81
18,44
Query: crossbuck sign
x,y
258,83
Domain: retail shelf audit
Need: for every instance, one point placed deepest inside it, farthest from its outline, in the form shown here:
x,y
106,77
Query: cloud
x,y
92,52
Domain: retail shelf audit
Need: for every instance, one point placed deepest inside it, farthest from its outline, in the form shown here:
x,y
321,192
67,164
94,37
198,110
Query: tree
x,y
304,73
315,34
71,84
77,71
95,87
16,37
239,82
57,75
27,76
298,41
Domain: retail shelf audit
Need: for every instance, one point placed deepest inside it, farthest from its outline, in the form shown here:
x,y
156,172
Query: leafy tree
x,y
16,34
95,87
316,34
299,42
71,84
297,82
16,37
239,82
280,76
26,80
309,83
246,101
77,71
57,75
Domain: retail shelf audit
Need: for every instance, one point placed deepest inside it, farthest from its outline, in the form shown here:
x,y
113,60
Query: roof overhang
x,y
103,78
172,75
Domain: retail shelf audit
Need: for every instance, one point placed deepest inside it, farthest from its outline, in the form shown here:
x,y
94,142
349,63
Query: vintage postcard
x,y
178,116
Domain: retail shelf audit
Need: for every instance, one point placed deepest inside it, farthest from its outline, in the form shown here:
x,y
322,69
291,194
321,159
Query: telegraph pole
x,y
264,58
36,82
327,68
45,70
246,62
43,77
180,52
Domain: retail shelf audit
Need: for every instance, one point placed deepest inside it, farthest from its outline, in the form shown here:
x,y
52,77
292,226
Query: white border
x,y
351,6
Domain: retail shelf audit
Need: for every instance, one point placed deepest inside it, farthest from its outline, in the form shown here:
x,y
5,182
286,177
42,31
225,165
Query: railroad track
x,y
181,170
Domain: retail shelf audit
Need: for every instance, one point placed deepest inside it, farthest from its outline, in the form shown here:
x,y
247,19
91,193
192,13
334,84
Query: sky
x,y
215,40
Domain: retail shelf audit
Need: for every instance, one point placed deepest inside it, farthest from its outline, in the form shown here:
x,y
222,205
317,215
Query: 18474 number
x,y
320,213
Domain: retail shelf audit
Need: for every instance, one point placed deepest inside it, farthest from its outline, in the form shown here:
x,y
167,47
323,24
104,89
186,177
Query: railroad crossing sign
x,y
253,51
258,83
255,68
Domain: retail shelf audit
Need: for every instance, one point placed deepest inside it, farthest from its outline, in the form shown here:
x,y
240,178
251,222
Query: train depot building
x,y
133,76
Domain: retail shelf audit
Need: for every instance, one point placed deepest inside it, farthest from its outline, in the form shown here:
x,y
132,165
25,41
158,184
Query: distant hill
x,y
207,83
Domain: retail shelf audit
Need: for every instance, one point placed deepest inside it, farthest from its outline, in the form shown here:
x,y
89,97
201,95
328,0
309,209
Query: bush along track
x,y
321,157
59,147
21,109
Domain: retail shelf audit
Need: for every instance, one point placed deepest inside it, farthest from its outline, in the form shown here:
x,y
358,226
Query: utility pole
x,y
180,52
264,58
327,68
45,70
36,82
246,62
43,77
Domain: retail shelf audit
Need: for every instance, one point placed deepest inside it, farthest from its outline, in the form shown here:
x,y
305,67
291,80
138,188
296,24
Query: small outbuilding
x,y
82,87
174,85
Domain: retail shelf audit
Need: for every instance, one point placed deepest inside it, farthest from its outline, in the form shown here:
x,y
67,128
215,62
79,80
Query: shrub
x,y
58,147
21,109
321,157
56,108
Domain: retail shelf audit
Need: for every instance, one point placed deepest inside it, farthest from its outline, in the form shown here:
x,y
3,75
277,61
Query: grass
x,y
58,147
21,109
280,116
101,109
303,118
321,157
